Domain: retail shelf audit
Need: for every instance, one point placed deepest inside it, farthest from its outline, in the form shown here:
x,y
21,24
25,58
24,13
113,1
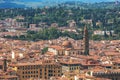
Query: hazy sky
x,y
63,0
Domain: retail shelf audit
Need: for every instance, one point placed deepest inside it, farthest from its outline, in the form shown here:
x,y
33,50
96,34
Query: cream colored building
x,y
65,49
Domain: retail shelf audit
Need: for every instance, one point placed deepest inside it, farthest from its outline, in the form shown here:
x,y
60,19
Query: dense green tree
x,y
97,37
44,50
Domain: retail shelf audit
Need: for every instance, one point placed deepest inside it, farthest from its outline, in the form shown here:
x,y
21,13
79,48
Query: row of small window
x,y
71,52
76,52
38,66
36,72
50,71
34,76
29,76
52,66
53,75
74,68
47,69
30,67
29,72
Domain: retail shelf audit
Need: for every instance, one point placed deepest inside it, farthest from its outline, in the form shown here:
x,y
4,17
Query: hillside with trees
x,y
104,19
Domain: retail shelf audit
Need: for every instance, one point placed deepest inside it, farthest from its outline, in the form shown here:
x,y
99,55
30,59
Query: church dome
x,y
67,44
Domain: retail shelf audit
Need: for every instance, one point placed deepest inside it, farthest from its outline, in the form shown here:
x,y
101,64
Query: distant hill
x,y
42,3
91,5
11,5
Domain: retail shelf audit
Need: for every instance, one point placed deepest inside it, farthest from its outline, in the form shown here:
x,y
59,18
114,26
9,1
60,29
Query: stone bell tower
x,y
86,41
